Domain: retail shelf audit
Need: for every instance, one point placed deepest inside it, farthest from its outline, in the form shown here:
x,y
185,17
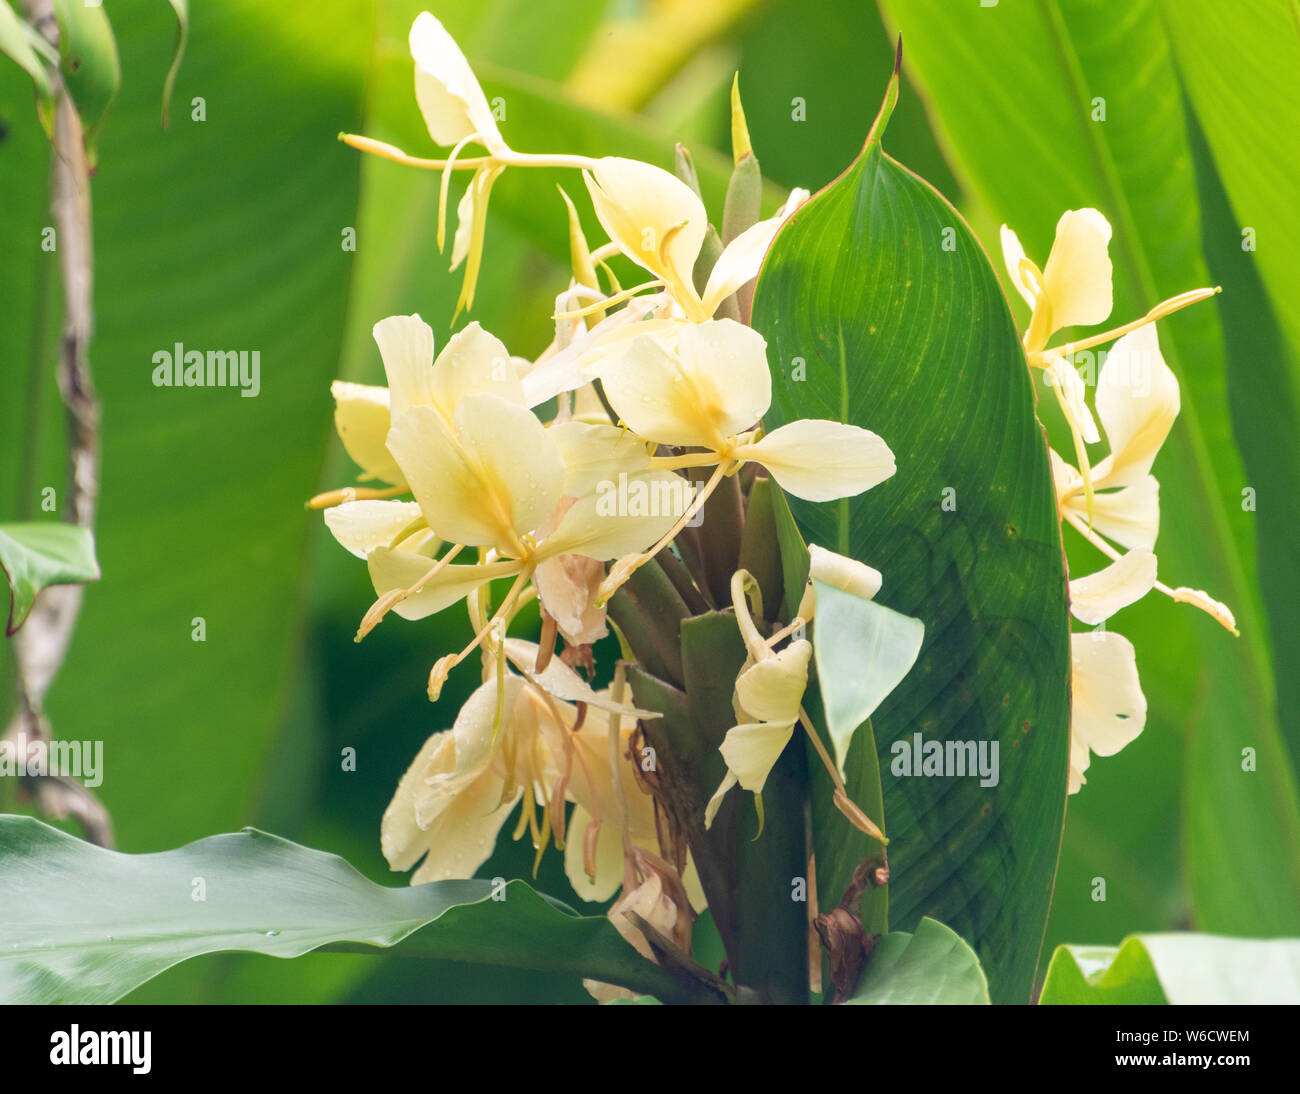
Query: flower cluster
x,y
1114,504
659,391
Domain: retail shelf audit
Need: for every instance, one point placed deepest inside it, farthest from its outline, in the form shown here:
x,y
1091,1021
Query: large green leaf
x,y
1044,64
1175,968
201,509
256,892
1244,165
871,320
930,966
36,555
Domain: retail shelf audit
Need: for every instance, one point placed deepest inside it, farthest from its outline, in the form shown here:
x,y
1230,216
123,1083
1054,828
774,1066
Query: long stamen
x,y
1167,307
391,152
1220,613
443,666
393,597
443,189
843,802
608,301
331,498
625,567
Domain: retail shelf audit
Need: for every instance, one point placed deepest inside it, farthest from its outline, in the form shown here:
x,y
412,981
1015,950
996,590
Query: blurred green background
x,y
227,233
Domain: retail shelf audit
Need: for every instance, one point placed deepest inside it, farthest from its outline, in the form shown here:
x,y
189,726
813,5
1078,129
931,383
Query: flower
x,y
1109,709
709,386
447,91
768,696
1137,402
846,574
511,740
1075,287
660,223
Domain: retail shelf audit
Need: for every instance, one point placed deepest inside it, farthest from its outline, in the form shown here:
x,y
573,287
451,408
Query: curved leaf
x,y
18,43
871,319
92,72
1176,968
1051,65
254,892
931,966
36,555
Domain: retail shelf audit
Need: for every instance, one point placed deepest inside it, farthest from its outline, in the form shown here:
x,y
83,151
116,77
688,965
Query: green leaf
x,y
254,892
863,651
92,72
18,43
1176,968
870,320
930,966
1043,65
201,513
182,9
34,556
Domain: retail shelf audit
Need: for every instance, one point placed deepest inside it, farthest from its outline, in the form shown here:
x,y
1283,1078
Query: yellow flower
x,y
1137,402
447,91
769,693
1074,289
658,222
1109,709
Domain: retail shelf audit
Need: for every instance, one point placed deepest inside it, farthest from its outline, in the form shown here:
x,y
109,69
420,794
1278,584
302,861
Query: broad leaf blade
x,y
1176,968
863,651
34,556
930,966
912,340
1047,64
258,893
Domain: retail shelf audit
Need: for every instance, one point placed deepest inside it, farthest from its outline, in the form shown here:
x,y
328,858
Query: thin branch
x,y
41,646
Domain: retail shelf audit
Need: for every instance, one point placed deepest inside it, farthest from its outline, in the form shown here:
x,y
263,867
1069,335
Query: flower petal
x,y
846,574
653,217
1095,598
1109,707
474,362
362,419
361,526
564,683
567,586
1129,517
609,857
1013,255
621,517
406,346
465,835
497,476
739,262
1071,395
391,570
714,386
596,453
751,751
448,93
821,460
771,690
1077,277
1137,400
